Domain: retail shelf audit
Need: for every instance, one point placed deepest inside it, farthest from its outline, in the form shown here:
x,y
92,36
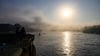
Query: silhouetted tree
x,y
92,29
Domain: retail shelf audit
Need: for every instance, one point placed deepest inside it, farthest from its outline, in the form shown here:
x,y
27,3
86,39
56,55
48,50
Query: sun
x,y
65,12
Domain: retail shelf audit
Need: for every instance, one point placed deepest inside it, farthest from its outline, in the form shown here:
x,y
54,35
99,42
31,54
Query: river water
x,y
67,44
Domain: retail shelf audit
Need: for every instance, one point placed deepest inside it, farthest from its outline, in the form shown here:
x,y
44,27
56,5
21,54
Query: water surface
x,y
67,44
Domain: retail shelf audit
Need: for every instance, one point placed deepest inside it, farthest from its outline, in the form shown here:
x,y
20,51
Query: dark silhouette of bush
x,y
92,29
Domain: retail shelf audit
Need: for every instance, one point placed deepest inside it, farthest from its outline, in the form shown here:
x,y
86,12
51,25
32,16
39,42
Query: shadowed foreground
x,y
14,41
11,51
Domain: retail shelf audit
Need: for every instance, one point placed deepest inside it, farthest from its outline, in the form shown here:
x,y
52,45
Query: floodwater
x,y
67,44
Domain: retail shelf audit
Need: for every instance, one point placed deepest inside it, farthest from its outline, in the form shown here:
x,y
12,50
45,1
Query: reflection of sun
x,y
67,39
67,42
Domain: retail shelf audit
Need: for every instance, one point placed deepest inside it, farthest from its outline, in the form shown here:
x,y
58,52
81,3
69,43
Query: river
x,y
67,44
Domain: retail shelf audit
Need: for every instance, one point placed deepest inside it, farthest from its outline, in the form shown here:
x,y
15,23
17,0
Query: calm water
x,y
67,44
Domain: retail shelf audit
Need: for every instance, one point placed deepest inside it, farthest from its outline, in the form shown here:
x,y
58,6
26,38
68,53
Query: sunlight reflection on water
x,y
66,42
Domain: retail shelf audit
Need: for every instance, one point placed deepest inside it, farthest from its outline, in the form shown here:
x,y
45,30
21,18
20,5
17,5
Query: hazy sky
x,y
86,12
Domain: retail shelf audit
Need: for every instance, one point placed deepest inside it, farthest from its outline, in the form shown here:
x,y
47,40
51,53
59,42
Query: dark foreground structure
x,y
14,41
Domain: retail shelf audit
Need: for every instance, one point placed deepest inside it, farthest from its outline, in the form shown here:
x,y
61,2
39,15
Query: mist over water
x,y
67,44
51,20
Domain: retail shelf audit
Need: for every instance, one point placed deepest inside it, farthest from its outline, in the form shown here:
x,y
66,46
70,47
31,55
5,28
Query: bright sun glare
x,y
65,12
